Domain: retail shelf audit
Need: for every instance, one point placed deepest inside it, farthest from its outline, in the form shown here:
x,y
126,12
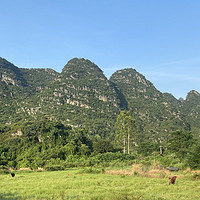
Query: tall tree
x,y
130,126
125,129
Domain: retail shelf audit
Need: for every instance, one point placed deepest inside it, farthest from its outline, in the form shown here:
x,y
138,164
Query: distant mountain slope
x,y
10,74
88,86
20,90
154,113
85,96
82,96
173,100
191,109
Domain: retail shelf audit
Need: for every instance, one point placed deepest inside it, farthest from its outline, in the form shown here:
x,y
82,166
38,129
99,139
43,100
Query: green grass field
x,y
73,184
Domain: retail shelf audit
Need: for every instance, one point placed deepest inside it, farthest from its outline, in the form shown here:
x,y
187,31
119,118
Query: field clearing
x,y
74,184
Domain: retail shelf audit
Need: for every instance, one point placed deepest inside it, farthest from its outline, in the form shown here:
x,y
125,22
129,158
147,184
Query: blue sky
x,y
159,38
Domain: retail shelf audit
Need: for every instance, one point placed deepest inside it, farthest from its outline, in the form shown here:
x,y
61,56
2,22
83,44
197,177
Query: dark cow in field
x,y
13,174
172,180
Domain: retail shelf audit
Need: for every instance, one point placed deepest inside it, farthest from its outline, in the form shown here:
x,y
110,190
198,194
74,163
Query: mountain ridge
x,y
82,95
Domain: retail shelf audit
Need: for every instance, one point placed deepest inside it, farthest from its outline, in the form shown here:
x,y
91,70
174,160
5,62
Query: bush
x,y
171,160
193,156
54,165
136,173
91,170
109,156
54,168
4,171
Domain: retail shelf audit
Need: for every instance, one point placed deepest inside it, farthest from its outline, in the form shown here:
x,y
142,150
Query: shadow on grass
x,y
10,196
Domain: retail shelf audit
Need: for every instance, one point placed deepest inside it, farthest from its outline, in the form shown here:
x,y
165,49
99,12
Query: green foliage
x,y
125,131
92,170
4,128
179,142
4,171
54,164
147,148
191,110
193,156
53,146
38,103
43,143
82,95
103,146
151,109
109,156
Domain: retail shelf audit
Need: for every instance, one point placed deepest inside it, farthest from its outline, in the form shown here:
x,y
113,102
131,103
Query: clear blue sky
x,y
159,38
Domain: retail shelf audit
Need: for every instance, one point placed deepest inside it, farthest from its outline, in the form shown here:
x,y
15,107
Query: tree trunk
x,y
128,141
124,145
124,138
161,150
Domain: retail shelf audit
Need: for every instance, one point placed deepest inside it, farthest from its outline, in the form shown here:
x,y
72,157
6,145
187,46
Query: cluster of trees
x,y
48,143
178,145
34,144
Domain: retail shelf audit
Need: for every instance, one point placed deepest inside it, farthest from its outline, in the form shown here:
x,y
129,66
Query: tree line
x,y
53,145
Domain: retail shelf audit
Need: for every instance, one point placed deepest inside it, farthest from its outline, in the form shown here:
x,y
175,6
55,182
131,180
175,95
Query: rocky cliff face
x,y
82,96
79,96
154,113
85,96
21,91
86,85
10,74
191,110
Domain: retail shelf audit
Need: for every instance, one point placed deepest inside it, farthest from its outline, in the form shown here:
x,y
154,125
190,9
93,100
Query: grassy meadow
x,y
77,184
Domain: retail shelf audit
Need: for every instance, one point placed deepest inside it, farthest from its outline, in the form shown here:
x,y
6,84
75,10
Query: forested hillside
x,y
82,96
155,114
79,96
50,118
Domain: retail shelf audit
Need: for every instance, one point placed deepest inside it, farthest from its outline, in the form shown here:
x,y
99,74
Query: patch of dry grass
x,y
153,171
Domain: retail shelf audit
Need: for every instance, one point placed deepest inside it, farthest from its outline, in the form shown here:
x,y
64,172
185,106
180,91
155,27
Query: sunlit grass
x,y
73,184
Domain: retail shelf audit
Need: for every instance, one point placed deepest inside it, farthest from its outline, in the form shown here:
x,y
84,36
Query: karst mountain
x,y
81,95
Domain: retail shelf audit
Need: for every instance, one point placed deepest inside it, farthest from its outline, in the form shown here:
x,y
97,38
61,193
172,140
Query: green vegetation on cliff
x,y
49,117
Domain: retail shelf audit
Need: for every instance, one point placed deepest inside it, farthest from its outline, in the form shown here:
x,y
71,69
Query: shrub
x,y
92,170
54,168
136,173
4,171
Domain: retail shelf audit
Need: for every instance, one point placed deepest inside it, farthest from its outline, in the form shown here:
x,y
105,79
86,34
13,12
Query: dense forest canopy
x,y
52,145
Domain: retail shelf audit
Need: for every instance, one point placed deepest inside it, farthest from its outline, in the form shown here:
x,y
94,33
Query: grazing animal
x,y
172,180
13,174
